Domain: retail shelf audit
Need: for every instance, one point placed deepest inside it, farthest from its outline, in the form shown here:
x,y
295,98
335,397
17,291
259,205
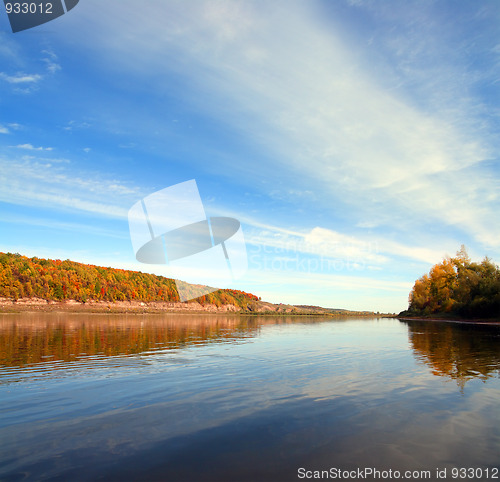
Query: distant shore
x,y
24,305
472,321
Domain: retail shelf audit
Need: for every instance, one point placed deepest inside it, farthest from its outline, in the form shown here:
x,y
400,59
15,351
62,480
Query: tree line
x,y
458,286
23,277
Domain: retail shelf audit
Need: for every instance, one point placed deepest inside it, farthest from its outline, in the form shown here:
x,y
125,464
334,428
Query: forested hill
x,y
459,287
22,277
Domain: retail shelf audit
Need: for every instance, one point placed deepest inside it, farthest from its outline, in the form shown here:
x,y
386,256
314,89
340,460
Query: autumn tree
x,y
458,286
62,280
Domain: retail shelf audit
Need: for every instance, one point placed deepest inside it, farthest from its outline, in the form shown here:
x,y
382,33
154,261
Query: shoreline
x,y
473,321
38,305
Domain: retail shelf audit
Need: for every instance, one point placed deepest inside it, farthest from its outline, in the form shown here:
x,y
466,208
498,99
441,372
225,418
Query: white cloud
x,y
35,182
51,61
21,78
322,242
324,113
52,160
329,290
60,225
29,82
4,130
30,147
73,124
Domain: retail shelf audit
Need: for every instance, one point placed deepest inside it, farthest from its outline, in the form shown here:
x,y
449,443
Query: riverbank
x,y
473,321
23,305
40,305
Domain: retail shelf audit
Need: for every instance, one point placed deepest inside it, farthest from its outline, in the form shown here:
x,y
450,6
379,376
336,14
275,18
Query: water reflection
x,y
225,398
28,339
457,351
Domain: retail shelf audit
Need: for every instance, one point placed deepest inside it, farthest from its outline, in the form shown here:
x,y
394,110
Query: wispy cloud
x,y
33,181
355,125
29,82
62,225
20,78
370,249
50,60
7,129
45,161
30,147
375,123
9,49
76,125
332,290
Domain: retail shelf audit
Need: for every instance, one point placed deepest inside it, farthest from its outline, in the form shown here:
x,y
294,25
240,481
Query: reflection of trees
x,y
32,339
457,351
26,339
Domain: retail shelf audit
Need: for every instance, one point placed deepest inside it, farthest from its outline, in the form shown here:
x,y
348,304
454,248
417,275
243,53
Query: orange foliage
x,y
21,276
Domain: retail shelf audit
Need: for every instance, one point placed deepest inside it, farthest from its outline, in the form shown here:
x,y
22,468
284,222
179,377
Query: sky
x,y
356,141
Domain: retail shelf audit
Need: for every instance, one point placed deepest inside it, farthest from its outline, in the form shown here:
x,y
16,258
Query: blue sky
x,y
356,141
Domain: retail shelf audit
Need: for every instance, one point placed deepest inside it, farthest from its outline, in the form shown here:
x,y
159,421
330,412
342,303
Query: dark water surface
x,y
235,398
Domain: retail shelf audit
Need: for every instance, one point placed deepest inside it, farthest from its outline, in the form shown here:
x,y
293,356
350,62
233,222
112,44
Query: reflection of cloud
x,y
278,402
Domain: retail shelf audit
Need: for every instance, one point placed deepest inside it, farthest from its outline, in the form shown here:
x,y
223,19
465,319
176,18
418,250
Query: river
x,y
87,397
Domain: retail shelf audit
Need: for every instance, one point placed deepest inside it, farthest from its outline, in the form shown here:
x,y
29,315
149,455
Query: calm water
x,y
228,398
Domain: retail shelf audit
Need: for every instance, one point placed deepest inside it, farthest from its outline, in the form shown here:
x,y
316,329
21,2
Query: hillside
x,y
55,280
40,284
